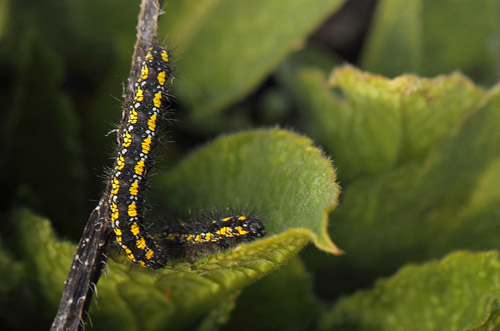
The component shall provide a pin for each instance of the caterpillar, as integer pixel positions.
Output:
(209, 233)
(137, 138)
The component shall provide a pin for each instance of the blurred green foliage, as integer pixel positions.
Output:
(417, 154)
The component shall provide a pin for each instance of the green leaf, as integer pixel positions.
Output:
(419, 162)
(492, 319)
(220, 315)
(274, 172)
(421, 210)
(429, 37)
(4, 10)
(479, 221)
(371, 124)
(283, 301)
(180, 294)
(228, 47)
(395, 41)
(256, 169)
(458, 292)
(16, 298)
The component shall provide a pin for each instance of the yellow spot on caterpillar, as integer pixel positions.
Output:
(152, 123)
(120, 163)
(127, 139)
(242, 218)
(134, 228)
(127, 250)
(134, 188)
(224, 231)
(150, 254)
(241, 232)
(161, 77)
(164, 56)
(140, 243)
(114, 212)
(133, 116)
(144, 73)
(190, 238)
(208, 236)
(142, 264)
(198, 238)
(149, 56)
(118, 232)
(226, 219)
(115, 186)
(132, 210)
(171, 236)
(118, 239)
(182, 237)
(157, 100)
(139, 96)
(139, 168)
(146, 145)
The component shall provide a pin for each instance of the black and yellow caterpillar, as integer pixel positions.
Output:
(204, 235)
(136, 140)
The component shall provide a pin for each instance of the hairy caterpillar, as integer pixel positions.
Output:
(137, 138)
(136, 141)
(204, 235)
